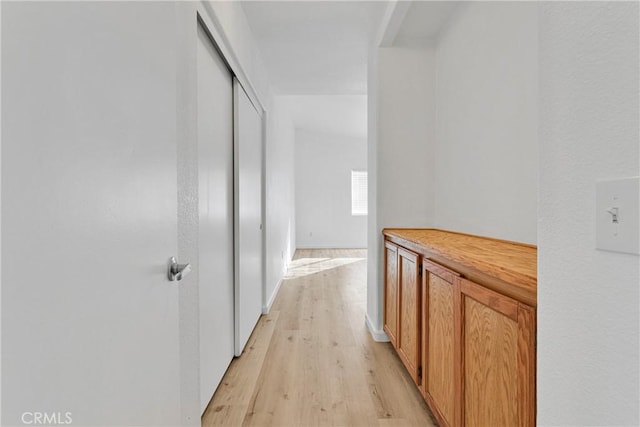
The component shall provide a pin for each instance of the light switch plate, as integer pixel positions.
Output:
(617, 215)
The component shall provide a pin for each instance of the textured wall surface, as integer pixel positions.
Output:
(587, 299)
(486, 142)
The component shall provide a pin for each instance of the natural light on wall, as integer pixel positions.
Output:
(358, 192)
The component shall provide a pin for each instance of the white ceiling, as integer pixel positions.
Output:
(316, 53)
(315, 47)
(423, 22)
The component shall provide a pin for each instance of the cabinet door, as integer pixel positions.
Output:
(391, 292)
(498, 359)
(410, 322)
(440, 353)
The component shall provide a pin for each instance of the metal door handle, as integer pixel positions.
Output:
(177, 271)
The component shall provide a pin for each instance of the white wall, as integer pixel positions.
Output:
(373, 317)
(333, 114)
(486, 143)
(402, 90)
(406, 106)
(280, 194)
(323, 165)
(588, 332)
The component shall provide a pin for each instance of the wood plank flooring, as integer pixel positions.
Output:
(311, 360)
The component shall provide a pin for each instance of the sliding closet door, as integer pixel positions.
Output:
(215, 235)
(248, 216)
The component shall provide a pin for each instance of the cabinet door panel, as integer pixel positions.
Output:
(410, 322)
(391, 292)
(439, 360)
(490, 346)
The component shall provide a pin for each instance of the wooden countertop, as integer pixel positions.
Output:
(506, 267)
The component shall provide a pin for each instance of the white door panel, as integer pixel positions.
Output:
(89, 319)
(215, 176)
(248, 217)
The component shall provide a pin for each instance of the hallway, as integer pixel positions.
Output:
(311, 361)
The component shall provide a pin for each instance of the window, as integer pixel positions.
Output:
(358, 192)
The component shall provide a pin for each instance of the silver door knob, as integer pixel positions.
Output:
(177, 271)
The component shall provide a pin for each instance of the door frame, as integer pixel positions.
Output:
(190, 15)
(238, 89)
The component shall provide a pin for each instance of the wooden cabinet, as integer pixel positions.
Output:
(409, 325)
(498, 354)
(460, 311)
(440, 298)
(391, 292)
(402, 305)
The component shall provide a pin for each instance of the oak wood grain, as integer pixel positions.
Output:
(440, 270)
(440, 360)
(435, 410)
(409, 327)
(458, 353)
(490, 367)
(507, 267)
(486, 374)
(526, 366)
(496, 301)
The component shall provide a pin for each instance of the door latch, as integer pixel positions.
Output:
(177, 271)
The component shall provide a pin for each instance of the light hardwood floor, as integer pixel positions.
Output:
(311, 360)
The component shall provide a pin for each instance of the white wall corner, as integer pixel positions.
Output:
(374, 293)
(391, 22)
(378, 335)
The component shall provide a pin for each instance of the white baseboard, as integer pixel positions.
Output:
(378, 334)
(267, 308)
(330, 247)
